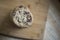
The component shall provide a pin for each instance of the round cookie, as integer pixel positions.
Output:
(22, 16)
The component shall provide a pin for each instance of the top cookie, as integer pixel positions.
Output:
(22, 16)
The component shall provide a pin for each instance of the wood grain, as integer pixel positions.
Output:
(39, 8)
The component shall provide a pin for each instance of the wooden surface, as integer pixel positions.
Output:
(39, 8)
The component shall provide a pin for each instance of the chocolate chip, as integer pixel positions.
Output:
(19, 21)
(29, 18)
(20, 6)
(26, 12)
(19, 11)
(13, 14)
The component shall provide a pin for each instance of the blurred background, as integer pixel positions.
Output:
(52, 30)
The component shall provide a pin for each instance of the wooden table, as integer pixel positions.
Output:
(39, 8)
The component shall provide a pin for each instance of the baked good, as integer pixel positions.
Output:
(22, 16)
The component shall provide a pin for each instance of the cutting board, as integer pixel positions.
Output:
(39, 9)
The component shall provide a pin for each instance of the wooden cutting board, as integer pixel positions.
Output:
(39, 8)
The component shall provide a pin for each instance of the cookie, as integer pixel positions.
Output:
(22, 16)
